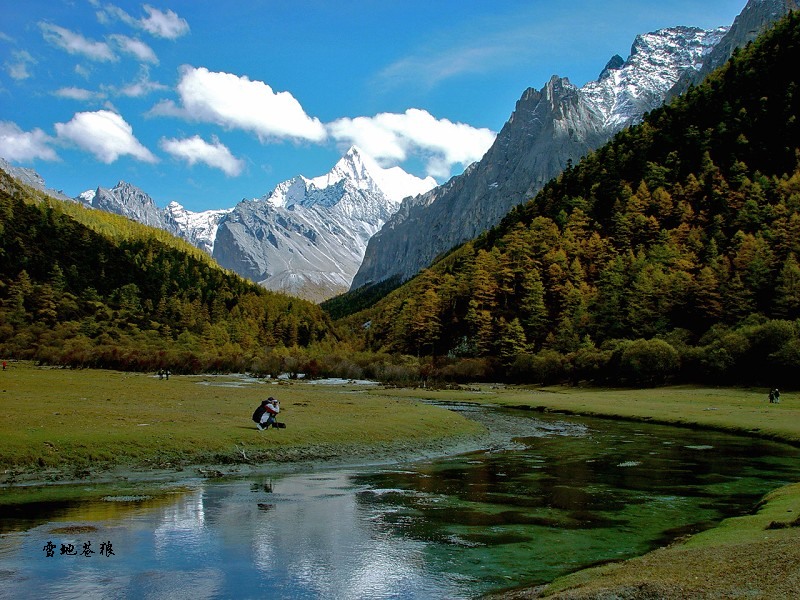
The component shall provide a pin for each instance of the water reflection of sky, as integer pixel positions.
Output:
(451, 528)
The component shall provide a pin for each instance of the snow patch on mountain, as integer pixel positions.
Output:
(197, 228)
(626, 90)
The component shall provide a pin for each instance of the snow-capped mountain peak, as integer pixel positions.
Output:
(87, 197)
(308, 236)
(288, 193)
(354, 166)
(198, 228)
(358, 171)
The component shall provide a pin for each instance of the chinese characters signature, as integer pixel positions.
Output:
(106, 549)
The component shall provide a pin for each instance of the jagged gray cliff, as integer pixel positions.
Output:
(30, 178)
(548, 128)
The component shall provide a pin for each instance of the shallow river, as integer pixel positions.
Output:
(564, 494)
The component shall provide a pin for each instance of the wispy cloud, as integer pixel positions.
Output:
(430, 69)
(17, 145)
(18, 67)
(141, 87)
(135, 48)
(164, 24)
(239, 103)
(105, 134)
(475, 47)
(75, 43)
(196, 150)
(393, 137)
(76, 93)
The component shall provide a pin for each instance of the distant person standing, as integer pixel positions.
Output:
(4, 365)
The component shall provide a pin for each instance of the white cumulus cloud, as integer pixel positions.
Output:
(105, 134)
(22, 146)
(75, 43)
(239, 103)
(196, 149)
(393, 137)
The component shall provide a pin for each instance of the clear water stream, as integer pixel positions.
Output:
(561, 495)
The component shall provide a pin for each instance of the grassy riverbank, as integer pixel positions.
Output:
(734, 410)
(755, 556)
(62, 424)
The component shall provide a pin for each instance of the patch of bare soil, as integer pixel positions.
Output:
(74, 529)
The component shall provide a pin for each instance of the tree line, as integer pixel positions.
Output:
(670, 253)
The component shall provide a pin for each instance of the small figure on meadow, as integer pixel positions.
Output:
(265, 414)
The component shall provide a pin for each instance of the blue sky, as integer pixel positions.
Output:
(206, 103)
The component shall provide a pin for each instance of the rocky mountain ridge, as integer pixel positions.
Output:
(548, 129)
(198, 228)
(755, 18)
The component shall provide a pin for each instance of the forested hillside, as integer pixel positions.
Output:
(670, 253)
(87, 288)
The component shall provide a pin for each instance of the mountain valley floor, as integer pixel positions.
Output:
(64, 425)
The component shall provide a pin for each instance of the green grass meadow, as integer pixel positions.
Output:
(73, 420)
